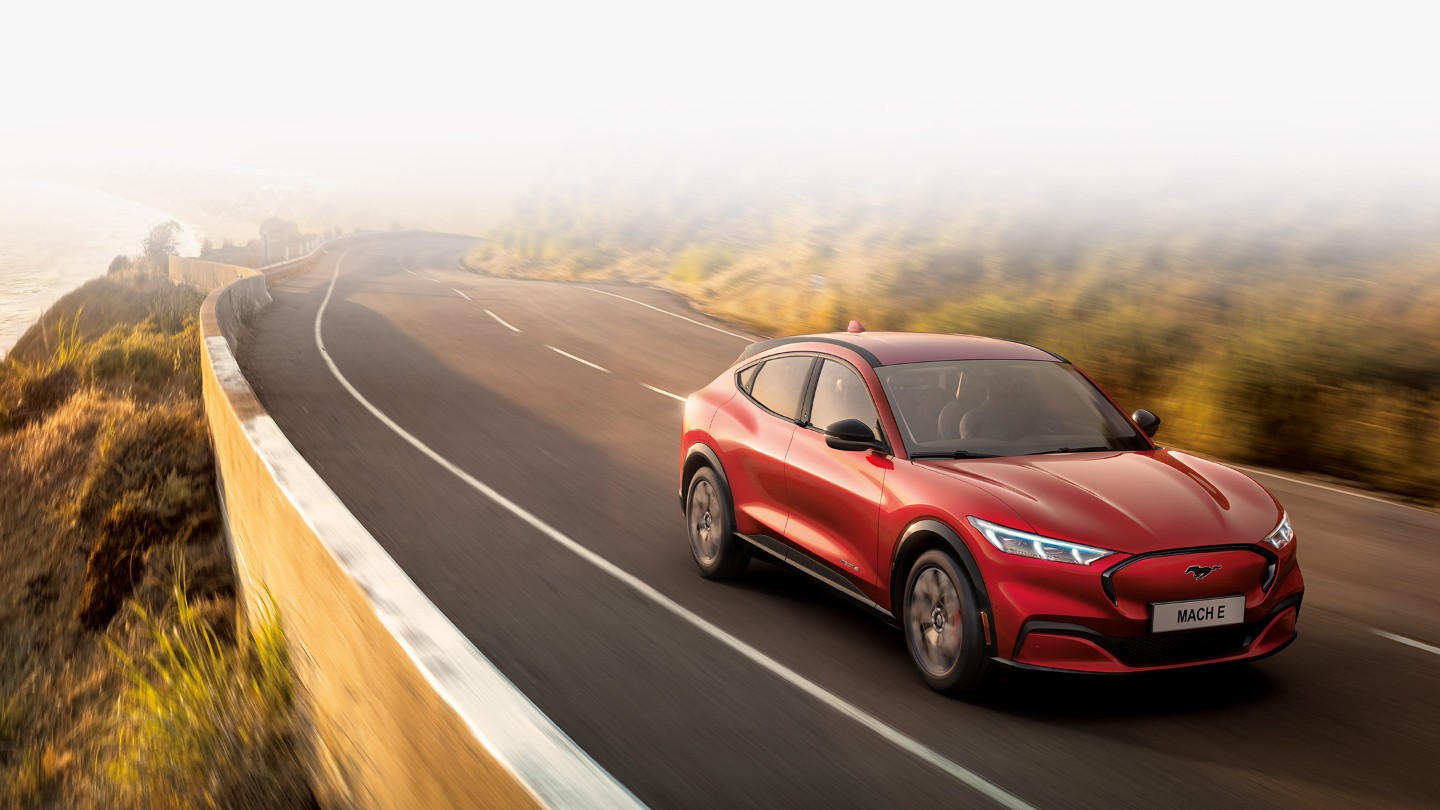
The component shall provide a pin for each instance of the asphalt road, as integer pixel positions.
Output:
(769, 691)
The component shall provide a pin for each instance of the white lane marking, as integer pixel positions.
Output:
(879, 727)
(1419, 645)
(527, 743)
(663, 391)
(463, 295)
(1327, 488)
(577, 359)
(412, 272)
(501, 321)
(436, 280)
(671, 314)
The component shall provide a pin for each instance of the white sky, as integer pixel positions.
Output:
(345, 86)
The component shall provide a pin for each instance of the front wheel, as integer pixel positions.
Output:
(942, 625)
(719, 554)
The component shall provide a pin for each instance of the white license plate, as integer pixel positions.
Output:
(1193, 613)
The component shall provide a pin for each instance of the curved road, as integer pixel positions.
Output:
(768, 691)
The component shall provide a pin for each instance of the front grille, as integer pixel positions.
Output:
(1175, 648)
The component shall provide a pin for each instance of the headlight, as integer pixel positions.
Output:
(1283, 534)
(1025, 544)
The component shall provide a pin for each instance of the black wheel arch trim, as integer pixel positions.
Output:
(713, 460)
(952, 538)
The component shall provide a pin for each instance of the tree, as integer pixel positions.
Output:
(119, 264)
(162, 243)
(277, 229)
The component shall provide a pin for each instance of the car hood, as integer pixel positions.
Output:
(1131, 501)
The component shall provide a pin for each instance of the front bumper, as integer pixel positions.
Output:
(1075, 648)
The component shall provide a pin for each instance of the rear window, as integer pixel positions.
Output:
(746, 378)
(780, 382)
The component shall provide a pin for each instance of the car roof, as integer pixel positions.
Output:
(893, 348)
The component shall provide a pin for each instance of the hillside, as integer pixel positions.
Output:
(1296, 328)
(125, 680)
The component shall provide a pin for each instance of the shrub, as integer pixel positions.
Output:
(201, 724)
(43, 393)
(108, 362)
(698, 263)
(151, 481)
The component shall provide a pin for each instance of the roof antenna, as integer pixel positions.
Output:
(855, 328)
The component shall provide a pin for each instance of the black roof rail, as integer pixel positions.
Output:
(765, 345)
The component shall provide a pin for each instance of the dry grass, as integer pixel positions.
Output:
(202, 723)
(1290, 326)
(115, 583)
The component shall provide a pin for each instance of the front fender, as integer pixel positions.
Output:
(915, 534)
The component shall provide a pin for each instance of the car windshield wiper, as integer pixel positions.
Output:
(954, 454)
(1070, 450)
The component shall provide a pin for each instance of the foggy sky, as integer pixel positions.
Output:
(444, 91)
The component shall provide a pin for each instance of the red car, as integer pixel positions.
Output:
(990, 499)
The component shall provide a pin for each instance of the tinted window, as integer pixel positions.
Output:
(779, 382)
(841, 394)
(746, 378)
(1002, 408)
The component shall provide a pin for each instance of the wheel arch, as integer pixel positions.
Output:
(701, 455)
(921, 536)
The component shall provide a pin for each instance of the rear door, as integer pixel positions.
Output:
(754, 432)
(834, 495)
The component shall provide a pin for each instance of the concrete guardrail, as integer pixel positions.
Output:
(408, 712)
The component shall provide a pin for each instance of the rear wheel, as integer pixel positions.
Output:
(942, 624)
(719, 554)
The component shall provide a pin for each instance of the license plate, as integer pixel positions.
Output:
(1193, 613)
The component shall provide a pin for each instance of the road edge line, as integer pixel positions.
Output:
(880, 728)
(541, 765)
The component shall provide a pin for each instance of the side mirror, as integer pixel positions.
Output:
(1146, 421)
(851, 434)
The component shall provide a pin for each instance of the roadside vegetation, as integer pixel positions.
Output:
(1297, 328)
(125, 680)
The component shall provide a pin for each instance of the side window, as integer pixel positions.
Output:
(779, 383)
(746, 378)
(840, 393)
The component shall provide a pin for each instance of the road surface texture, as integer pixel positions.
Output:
(769, 691)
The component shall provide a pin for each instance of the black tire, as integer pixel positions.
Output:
(710, 525)
(942, 625)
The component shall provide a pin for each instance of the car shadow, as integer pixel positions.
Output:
(1033, 695)
(1043, 696)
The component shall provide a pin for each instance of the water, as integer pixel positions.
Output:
(54, 237)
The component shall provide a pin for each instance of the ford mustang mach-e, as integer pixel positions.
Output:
(991, 500)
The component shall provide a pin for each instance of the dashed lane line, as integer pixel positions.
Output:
(664, 392)
(577, 359)
(818, 693)
(502, 322)
(671, 314)
(1410, 642)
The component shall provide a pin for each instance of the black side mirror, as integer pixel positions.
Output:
(851, 434)
(1146, 421)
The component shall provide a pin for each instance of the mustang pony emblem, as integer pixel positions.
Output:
(1202, 571)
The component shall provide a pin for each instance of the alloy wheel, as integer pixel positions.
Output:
(704, 535)
(934, 621)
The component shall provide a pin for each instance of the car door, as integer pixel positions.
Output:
(754, 432)
(834, 495)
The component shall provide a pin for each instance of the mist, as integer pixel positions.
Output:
(440, 115)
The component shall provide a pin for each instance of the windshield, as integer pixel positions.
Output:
(984, 408)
